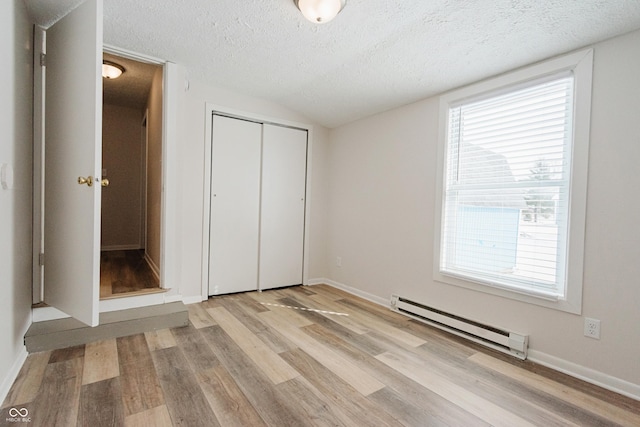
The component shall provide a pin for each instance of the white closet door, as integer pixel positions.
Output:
(235, 205)
(284, 164)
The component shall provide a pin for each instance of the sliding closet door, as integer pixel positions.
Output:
(284, 163)
(235, 205)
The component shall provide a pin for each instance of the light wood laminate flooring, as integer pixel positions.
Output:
(302, 356)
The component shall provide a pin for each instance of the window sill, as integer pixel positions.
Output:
(571, 304)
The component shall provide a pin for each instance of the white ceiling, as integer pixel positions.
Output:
(374, 56)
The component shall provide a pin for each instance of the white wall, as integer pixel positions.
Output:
(15, 203)
(318, 263)
(190, 153)
(381, 173)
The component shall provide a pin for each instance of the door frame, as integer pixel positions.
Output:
(39, 48)
(210, 109)
(168, 245)
(169, 203)
(144, 160)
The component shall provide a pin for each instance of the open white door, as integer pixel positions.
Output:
(73, 149)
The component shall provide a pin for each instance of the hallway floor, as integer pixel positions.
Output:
(126, 272)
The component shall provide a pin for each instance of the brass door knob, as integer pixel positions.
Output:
(104, 182)
(88, 180)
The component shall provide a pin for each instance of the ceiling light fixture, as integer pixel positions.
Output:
(320, 11)
(111, 70)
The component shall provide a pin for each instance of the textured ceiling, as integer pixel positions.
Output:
(376, 54)
(131, 89)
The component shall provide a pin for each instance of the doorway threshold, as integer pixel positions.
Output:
(69, 332)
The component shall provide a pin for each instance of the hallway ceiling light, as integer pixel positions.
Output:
(111, 70)
(320, 11)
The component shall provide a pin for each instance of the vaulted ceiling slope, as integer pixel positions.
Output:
(376, 54)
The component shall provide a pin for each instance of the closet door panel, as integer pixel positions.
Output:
(235, 205)
(284, 162)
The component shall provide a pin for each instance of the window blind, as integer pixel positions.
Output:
(506, 195)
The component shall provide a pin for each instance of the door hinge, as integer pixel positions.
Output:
(41, 259)
(43, 59)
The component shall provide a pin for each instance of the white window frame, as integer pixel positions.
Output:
(581, 65)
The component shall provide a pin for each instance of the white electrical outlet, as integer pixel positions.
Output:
(339, 261)
(592, 328)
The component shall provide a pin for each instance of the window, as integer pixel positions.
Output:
(513, 183)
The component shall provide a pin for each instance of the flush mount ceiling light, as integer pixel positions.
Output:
(320, 11)
(111, 70)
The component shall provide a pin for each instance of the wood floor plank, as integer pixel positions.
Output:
(154, 417)
(26, 386)
(412, 392)
(199, 316)
(159, 339)
(271, 364)
(360, 380)
(378, 311)
(306, 290)
(196, 350)
(185, 400)
(515, 396)
(359, 410)
(455, 345)
(59, 396)
(373, 322)
(608, 411)
(314, 406)
(245, 310)
(487, 411)
(101, 404)
(132, 348)
(290, 313)
(268, 297)
(273, 408)
(125, 271)
(250, 305)
(139, 381)
(333, 323)
(406, 413)
(353, 373)
(100, 361)
(330, 291)
(65, 354)
(230, 405)
(492, 387)
(323, 303)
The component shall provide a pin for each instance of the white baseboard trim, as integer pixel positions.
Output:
(369, 297)
(172, 298)
(589, 375)
(11, 376)
(193, 299)
(586, 374)
(152, 265)
(317, 281)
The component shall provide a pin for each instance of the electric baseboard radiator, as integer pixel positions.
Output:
(498, 339)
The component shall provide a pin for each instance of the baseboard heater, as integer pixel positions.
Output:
(498, 339)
